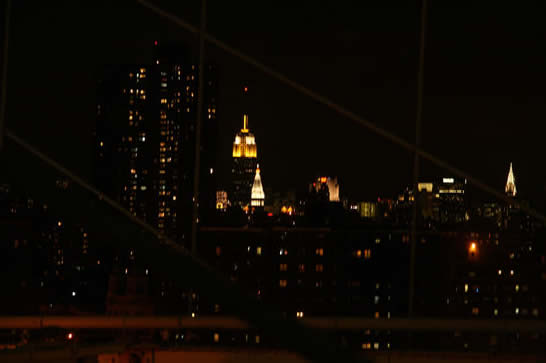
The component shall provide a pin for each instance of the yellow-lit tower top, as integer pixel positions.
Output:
(244, 145)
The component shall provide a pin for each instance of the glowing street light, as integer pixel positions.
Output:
(473, 249)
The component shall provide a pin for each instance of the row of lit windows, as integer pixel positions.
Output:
(367, 253)
(301, 267)
(516, 311)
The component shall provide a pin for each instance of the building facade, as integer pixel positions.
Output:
(245, 162)
(145, 139)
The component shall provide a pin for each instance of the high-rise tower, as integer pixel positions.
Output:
(510, 187)
(145, 138)
(244, 164)
(257, 197)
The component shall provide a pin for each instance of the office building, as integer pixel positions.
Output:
(145, 139)
(245, 161)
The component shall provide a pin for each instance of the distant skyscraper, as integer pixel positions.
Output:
(451, 194)
(244, 164)
(329, 187)
(510, 187)
(257, 195)
(145, 139)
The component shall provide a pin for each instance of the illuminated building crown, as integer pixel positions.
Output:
(510, 187)
(258, 195)
(244, 145)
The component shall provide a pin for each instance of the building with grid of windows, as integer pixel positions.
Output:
(145, 139)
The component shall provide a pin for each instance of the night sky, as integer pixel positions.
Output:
(484, 100)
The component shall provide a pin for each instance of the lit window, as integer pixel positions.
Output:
(283, 267)
(376, 315)
(319, 252)
(367, 253)
(475, 311)
(259, 251)
(301, 267)
(319, 268)
(218, 250)
(359, 253)
(257, 339)
(517, 311)
(516, 288)
(465, 287)
(299, 314)
(511, 272)
(499, 272)
(496, 312)
(282, 283)
(216, 337)
(366, 346)
(376, 346)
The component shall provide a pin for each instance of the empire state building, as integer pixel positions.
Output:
(244, 165)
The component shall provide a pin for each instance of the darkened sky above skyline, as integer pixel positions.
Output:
(484, 99)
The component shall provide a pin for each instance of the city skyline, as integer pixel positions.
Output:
(368, 94)
(269, 199)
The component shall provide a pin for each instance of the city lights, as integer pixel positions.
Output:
(183, 184)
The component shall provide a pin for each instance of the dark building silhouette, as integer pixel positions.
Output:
(145, 139)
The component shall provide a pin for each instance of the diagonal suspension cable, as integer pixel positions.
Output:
(341, 110)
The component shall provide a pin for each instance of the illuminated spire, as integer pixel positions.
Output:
(510, 188)
(245, 124)
(258, 195)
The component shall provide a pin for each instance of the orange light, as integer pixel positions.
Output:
(323, 179)
(473, 247)
(283, 209)
(246, 89)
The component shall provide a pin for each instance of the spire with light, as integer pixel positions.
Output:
(244, 145)
(258, 196)
(510, 187)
